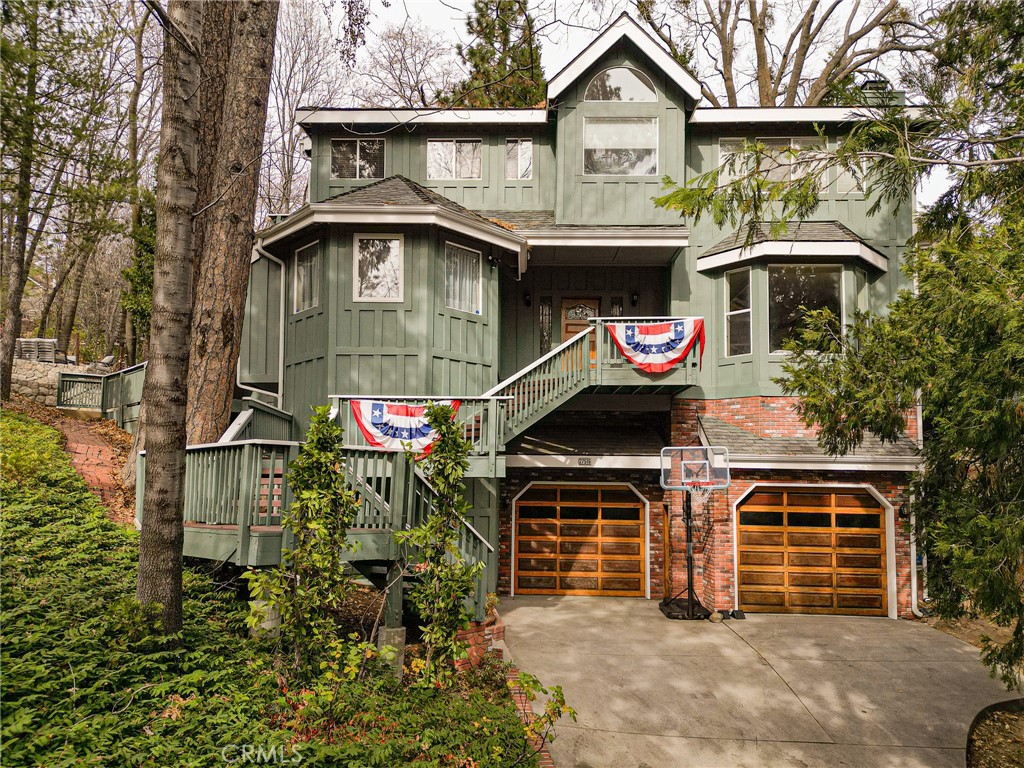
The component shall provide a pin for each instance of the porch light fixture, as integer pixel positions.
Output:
(527, 299)
(635, 298)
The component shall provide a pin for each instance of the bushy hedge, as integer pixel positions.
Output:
(87, 682)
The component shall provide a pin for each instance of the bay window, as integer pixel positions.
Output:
(795, 290)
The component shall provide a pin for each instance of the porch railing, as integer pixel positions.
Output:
(80, 390)
(117, 396)
(259, 421)
(536, 390)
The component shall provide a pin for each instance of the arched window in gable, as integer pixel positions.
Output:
(621, 84)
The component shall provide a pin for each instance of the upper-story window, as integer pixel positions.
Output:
(620, 146)
(737, 312)
(357, 158)
(454, 159)
(795, 290)
(519, 159)
(463, 278)
(778, 163)
(621, 84)
(307, 278)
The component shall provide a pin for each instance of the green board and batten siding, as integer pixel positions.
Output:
(260, 349)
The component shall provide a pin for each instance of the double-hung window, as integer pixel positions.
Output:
(454, 159)
(519, 159)
(795, 290)
(463, 279)
(737, 313)
(778, 163)
(620, 146)
(357, 158)
(307, 278)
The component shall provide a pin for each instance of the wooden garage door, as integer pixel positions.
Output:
(574, 540)
(815, 550)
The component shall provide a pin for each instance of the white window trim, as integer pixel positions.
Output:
(824, 185)
(657, 146)
(454, 141)
(479, 283)
(295, 277)
(356, 298)
(642, 76)
(552, 484)
(357, 177)
(749, 311)
(890, 532)
(519, 140)
(781, 353)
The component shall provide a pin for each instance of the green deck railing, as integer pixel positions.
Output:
(259, 421)
(117, 396)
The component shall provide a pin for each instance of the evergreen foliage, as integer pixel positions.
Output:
(138, 300)
(956, 344)
(503, 60)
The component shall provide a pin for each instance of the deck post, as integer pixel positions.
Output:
(247, 492)
(393, 596)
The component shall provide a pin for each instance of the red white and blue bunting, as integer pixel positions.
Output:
(396, 426)
(655, 347)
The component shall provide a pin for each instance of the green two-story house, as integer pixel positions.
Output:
(483, 256)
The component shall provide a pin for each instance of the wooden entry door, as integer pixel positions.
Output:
(811, 550)
(580, 540)
(576, 314)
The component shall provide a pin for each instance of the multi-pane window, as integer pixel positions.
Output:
(737, 312)
(357, 158)
(620, 146)
(795, 290)
(519, 159)
(307, 278)
(462, 278)
(621, 84)
(851, 180)
(778, 162)
(377, 268)
(454, 159)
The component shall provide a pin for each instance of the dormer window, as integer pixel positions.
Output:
(621, 84)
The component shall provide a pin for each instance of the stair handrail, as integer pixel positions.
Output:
(493, 392)
(420, 474)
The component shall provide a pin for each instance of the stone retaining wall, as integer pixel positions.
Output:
(38, 381)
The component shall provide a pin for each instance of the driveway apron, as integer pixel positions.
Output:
(771, 690)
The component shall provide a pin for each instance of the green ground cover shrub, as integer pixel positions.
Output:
(87, 680)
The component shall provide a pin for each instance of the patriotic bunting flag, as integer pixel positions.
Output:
(395, 426)
(657, 347)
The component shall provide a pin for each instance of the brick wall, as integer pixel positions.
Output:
(480, 637)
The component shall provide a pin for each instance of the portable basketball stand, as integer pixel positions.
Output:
(688, 469)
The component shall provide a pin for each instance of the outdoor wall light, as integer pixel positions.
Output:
(527, 299)
(635, 298)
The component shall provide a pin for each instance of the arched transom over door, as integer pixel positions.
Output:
(812, 550)
(580, 540)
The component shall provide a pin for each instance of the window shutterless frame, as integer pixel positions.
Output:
(657, 145)
(591, 93)
(306, 278)
(398, 297)
(768, 295)
(455, 143)
(730, 313)
(359, 150)
(519, 143)
(478, 297)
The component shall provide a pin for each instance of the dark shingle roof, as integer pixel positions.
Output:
(545, 220)
(398, 190)
(740, 442)
(804, 231)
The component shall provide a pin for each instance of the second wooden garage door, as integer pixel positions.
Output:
(573, 540)
(813, 550)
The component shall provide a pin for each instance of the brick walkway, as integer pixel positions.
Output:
(95, 460)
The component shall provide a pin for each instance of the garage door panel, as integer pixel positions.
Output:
(818, 552)
(589, 541)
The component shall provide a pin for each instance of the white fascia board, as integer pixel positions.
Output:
(325, 213)
(844, 464)
(420, 116)
(575, 461)
(595, 238)
(740, 115)
(624, 27)
(786, 248)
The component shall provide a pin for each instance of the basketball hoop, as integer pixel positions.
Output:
(699, 470)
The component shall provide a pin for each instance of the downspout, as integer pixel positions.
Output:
(913, 569)
(279, 395)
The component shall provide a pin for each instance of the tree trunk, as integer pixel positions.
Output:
(224, 228)
(165, 391)
(66, 326)
(15, 266)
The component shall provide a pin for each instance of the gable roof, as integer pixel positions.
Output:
(624, 27)
(804, 238)
(398, 190)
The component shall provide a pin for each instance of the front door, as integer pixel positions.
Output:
(576, 314)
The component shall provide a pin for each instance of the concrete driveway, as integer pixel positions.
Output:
(767, 691)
